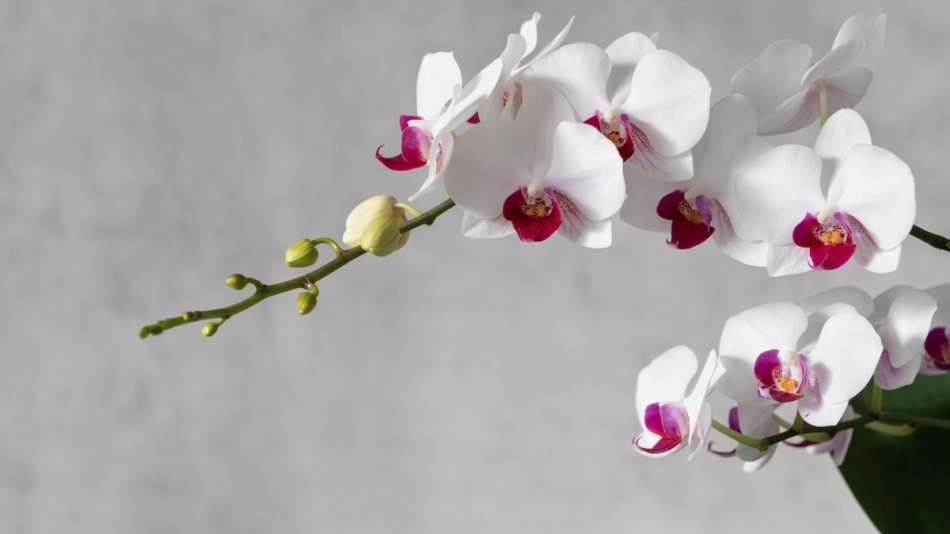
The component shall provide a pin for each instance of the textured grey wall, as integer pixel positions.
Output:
(149, 148)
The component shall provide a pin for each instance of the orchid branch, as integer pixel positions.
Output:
(932, 239)
(262, 291)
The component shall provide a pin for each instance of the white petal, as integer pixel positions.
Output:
(874, 259)
(868, 28)
(754, 253)
(889, 377)
(819, 413)
(845, 357)
(785, 260)
(625, 53)
(775, 191)
(586, 167)
(438, 77)
(847, 87)
(696, 400)
(669, 101)
(836, 60)
(774, 75)
(665, 378)
(672, 168)
(579, 71)
(643, 194)
(907, 323)
(474, 94)
(478, 228)
(770, 326)
(795, 113)
(529, 31)
(548, 48)
(877, 188)
(841, 132)
(856, 298)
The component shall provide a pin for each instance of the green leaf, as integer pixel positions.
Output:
(903, 482)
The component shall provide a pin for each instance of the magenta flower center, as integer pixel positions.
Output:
(937, 347)
(782, 376)
(534, 217)
(830, 241)
(691, 221)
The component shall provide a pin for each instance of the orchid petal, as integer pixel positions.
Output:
(775, 191)
(665, 378)
(837, 59)
(625, 53)
(907, 323)
(586, 168)
(438, 77)
(800, 110)
(785, 260)
(580, 72)
(669, 101)
(843, 359)
(841, 132)
(774, 75)
(478, 228)
(867, 28)
(877, 188)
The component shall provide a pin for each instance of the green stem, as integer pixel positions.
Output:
(822, 103)
(264, 291)
(741, 438)
(877, 398)
(932, 239)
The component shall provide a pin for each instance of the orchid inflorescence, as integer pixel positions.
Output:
(564, 138)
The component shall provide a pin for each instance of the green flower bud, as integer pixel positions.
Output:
(236, 281)
(209, 329)
(305, 303)
(301, 253)
(364, 213)
(381, 236)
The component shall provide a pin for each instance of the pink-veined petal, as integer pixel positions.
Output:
(847, 87)
(585, 232)
(874, 259)
(753, 253)
(669, 101)
(785, 260)
(800, 110)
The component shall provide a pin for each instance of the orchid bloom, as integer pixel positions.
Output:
(902, 317)
(756, 422)
(788, 89)
(867, 212)
(537, 174)
(442, 105)
(936, 349)
(769, 360)
(673, 419)
(650, 103)
(704, 206)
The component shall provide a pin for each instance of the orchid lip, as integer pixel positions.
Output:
(937, 348)
(669, 421)
(783, 376)
(618, 130)
(830, 241)
(690, 221)
(534, 217)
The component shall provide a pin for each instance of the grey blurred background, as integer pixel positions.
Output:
(149, 148)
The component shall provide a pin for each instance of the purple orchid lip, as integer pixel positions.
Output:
(534, 219)
(667, 420)
(690, 223)
(782, 376)
(830, 243)
(937, 347)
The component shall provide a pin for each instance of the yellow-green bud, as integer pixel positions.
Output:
(381, 236)
(366, 211)
(301, 253)
(209, 329)
(305, 303)
(236, 281)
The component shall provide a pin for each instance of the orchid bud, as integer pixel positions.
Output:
(380, 206)
(381, 236)
(236, 281)
(306, 302)
(301, 253)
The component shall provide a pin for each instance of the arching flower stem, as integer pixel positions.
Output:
(263, 291)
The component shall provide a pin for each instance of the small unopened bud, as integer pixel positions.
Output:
(306, 302)
(381, 236)
(301, 253)
(363, 213)
(209, 329)
(236, 281)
